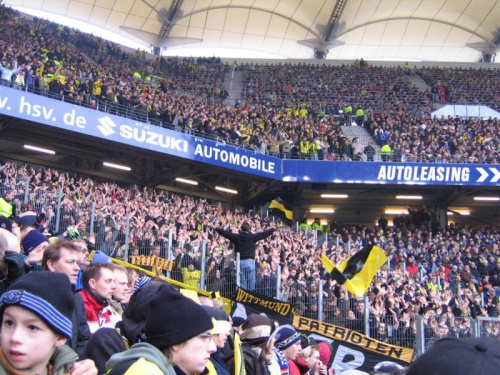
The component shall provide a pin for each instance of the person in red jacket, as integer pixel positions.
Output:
(412, 267)
(98, 288)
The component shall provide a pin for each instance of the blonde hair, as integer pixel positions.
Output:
(308, 351)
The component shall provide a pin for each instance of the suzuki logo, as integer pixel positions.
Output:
(106, 126)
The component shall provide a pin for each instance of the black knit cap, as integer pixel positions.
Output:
(134, 316)
(477, 356)
(174, 319)
(46, 294)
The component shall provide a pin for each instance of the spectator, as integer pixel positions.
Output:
(288, 347)
(220, 333)
(34, 244)
(122, 292)
(98, 288)
(7, 209)
(62, 257)
(168, 349)
(369, 151)
(11, 263)
(257, 344)
(16, 334)
(244, 243)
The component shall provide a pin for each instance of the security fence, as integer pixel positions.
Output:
(209, 266)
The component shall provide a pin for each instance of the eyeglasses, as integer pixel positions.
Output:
(206, 337)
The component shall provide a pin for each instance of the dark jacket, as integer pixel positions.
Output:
(219, 364)
(103, 344)
(244, 242)
(252, 364)
(81, 331)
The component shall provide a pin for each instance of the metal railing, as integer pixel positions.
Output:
(210, 266)
(138, 113)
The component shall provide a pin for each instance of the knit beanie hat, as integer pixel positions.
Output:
(325, 352)
(256, 330)
(46, 294)
(174, 319)
(100, 257)
(5, 223)
(134, 316)
(286, 337)
(28, 218)
(221, 320)
(32, 240)
(478, 356)
(239, 315)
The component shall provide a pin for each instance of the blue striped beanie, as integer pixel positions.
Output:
(286, 337)
(46, 294)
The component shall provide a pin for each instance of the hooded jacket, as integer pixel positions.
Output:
(141, 358)
(244, 242)
(60, 363)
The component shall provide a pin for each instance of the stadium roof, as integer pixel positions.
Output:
(423, 30)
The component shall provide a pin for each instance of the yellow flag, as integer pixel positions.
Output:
(356, 273)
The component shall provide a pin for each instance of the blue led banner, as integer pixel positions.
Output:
(391, 173)
(86, 121)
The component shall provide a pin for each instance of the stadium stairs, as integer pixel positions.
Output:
(233, 83)
(363, 135)
(419, 83)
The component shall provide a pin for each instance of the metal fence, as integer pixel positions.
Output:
(209, 266)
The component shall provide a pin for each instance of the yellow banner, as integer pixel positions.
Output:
(280, 308)
(227, 302)
(352, 337)
(152, 261)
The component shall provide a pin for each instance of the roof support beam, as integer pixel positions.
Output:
(170, 18)
(411, 18)
(337, 11)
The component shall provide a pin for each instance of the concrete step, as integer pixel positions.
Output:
(233, 83)
(419, 83)
(364, 137)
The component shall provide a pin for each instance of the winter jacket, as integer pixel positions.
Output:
(191, 278)
(301, 366)
(60, 363)
(244, 242)
(219, 366)
(141, 358)
(252, 364)
(99, 314)
(6, 208)
(81, 331)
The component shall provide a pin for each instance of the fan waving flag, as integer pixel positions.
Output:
(356, 273)
(281, 210)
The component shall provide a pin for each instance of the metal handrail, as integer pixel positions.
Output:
(143, 116)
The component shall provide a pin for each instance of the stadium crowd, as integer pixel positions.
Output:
(445, 275)
(290, 110)
(463, 86)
